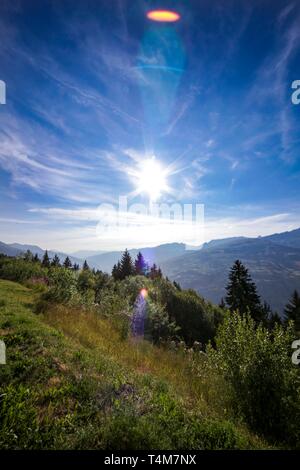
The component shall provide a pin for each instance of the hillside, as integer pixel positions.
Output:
(71, 383)
(274, 268)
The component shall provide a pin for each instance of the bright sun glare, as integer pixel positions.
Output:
(151, 179)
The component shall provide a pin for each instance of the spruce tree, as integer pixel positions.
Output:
(36, 258)
(242, 294)
(67, 263)
(292, 310)
(75, 267)
(55, 261)
(46, 260)
(140, 265)
(273, 320)
(116, 270)
(85, 266)
(127, 267)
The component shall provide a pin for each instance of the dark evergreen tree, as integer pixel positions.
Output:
(116, 271)
(140, 265)
(46, 260)
(67, 263)
(127, 267)
(222, 303)
(36, 258)
(273, 320)
(292, 310)
(242, 294)
(85, 266)
(177, 285)
(55, 261)
(75, 267)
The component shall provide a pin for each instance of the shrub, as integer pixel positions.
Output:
(265, 385)
(158, 326)
(63, 286)
(192, 315)
(17, 269)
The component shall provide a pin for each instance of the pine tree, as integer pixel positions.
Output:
(55, 261)
(292, 310)
(67, 263)
(127, 267)
(140, 265)
(274, 319)
(36, 258)
(222, 303)
(75, 267)
(242, 294)
(116, 271)
(155, 272)
(46, 260)
(85, 266)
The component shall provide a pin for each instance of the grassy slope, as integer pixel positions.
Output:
(71, 382)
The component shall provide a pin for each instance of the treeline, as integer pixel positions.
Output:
(127, 267)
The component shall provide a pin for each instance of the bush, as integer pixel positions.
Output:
(17, 269)
(157, 325)
(63, 286)
(265, 385)
(192, 315)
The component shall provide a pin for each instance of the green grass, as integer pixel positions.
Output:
(71, 382)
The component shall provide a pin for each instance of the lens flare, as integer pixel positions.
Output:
(144, 293)
(163, 16)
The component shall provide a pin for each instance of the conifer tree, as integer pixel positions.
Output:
(274, 319)
(36, 258)
(46, 260)
(292, 310)
(85, 266)
(242, 294)
(55, 261)
(75, 267)
(140, 265)
(116, 271)
(126, 265)
(67, 263)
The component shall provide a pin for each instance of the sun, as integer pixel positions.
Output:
(151, 179)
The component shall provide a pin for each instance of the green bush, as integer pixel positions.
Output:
(265, 385)
(157, 325)
(63, 286)
(191, 314)
(17, 269)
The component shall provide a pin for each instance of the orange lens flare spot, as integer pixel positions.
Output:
(163, 15)
(144, 293)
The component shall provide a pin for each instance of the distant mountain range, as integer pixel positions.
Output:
(157, 254)
(16, 249)
(273, 262)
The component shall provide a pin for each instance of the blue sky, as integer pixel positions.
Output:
(94, 89)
